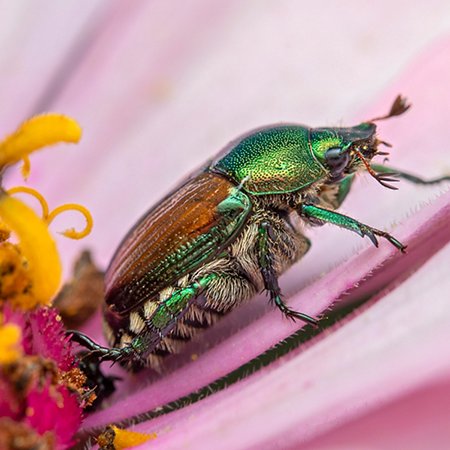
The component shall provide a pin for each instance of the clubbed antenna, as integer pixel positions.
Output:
(399, 106)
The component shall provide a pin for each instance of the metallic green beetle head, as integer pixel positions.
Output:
(280, 159)
(343, 150)
(286, 158)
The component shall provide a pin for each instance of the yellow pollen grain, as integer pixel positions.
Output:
(4, 232)
(15, 282)
(124, 438)
(10, 337)
(37, 132)
(71, 232)
(37, 247)
(26, 167)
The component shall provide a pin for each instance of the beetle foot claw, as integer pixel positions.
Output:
(372, 234)
(295, 315)
(366, 231)
(291, 313)
(384, 178)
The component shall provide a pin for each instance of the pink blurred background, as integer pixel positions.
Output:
(159, 86)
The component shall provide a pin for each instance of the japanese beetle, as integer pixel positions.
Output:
(227, 233)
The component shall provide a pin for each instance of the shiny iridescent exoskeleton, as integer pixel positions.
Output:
(229, 232)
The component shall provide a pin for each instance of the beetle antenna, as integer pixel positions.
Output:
(383, 178)
(399, 106)
(386, 144)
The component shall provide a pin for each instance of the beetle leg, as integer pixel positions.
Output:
(162, 321)
(344, 188)
(86, 342)
(270, 278)
(381, 168)
(326, 216)
(158, 325)
(96, 350)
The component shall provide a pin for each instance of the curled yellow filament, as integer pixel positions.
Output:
(37, 195)
(71, 232)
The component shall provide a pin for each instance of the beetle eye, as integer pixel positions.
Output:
(336, 160)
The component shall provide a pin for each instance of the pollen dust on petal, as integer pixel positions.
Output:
(120, 439)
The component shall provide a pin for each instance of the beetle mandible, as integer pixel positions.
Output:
(229, 232)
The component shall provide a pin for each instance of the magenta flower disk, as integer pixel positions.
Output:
(45, 336)
(61, 414)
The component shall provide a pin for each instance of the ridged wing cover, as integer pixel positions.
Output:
(184, 231)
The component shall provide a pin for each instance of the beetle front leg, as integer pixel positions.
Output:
(326, 216)
(381, 168)
(270, 278)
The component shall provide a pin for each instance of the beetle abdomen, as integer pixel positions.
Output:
(178, 235)
(237, 279)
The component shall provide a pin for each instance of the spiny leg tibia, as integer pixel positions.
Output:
(327, 216)
(266, 262)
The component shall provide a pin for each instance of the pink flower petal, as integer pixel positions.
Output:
(415, 421)
(159, 89)
(393, 348)
(430, 233)
(126, 73)
(39, 44)
(245, 88)
(425, 232)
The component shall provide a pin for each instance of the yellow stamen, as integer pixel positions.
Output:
(4, 232)
(71, 232)
(15, 281)
(38, 132)
(124, 438)
(37, 195)
(37, 247)
(10, 337)
(49, 217)
(26, 168)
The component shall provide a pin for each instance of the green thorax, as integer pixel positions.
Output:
(272, 160)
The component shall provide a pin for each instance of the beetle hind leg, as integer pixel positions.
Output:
(149, 344)
(97, 351)
(86, 342)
